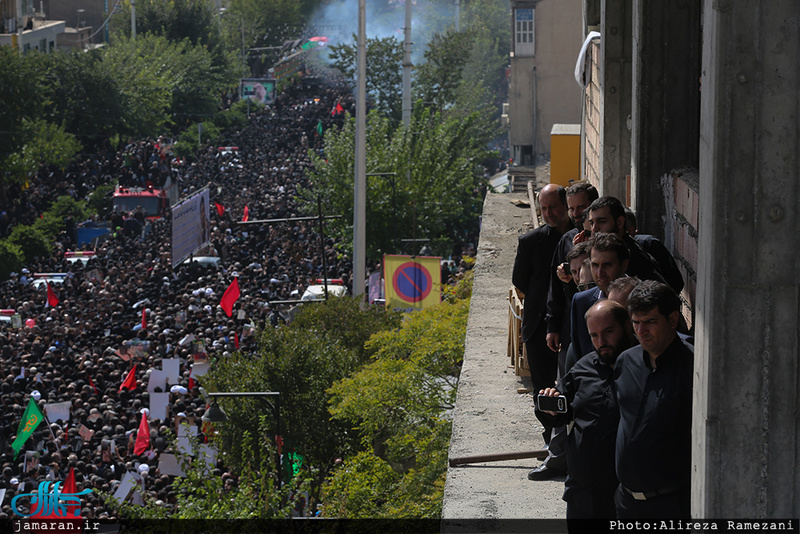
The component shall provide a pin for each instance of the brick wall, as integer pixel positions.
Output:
(593, 119)
(681, 204)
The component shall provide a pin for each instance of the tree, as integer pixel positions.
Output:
(84, 96)
(11, 258)
(160, 79)
(18, 74)
(323, 344)
(397, 403)
(437, 79)
(435, 191)
(53, 221)
(31, 242)
(201, 495)
(384, 71)
(261, 24)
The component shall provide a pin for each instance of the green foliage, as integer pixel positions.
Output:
(301, 360)
(159, 79)
(201, 495)
(18, 74)
(174, 19)
(434, 193)
(264, 24)
(53, 221)
(43, 143)
(235, 117)
(360, 488)
(384, 71)
(396, 403)
(197, 135)
(423, 358)
(84, 96)
(11, 258)
(437, 79)
(99, 201)
(31, 242)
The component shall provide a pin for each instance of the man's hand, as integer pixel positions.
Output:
(554, 341)
(562, 274)
(581, 236)
(549, 392)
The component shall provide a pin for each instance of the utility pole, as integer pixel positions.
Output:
(360, 182)
(133, 20)
(407, 68)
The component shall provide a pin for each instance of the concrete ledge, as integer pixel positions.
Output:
(490, 416)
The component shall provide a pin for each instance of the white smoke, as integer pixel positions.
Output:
(338, 21)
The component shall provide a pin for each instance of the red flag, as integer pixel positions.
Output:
(338, 109)
(144, 318)
(142, 437)
(71, 521)
(91, 383)
(52, 299)
(71, 487)
(191, 383)
(130, 380)
(220, 209)
(236, 339)
(230, 297)
(246, 214)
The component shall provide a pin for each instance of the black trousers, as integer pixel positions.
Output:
(675, 505)
(543, 364)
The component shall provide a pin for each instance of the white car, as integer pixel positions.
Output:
(336, 288)
(211, 262)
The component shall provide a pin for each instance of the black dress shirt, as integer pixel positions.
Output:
(653, 450)
(592, 406)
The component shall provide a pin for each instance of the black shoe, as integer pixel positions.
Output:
(545, 473)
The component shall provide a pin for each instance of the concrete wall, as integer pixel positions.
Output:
(592, 121)
(682, 207)
(542, 90)
(67, 10)
(746, 426)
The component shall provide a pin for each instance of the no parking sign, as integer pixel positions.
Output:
(412, 282)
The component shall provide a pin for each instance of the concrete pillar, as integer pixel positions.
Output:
(615, 139)
(746, 429)
(666, 110)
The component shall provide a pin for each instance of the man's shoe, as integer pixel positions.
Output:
(545, 473)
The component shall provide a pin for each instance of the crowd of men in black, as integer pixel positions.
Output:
(70, 352)
(602, 327)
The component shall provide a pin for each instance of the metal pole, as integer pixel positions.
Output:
(322, 246)
(407, 68)
(133, 20)
(360, 185)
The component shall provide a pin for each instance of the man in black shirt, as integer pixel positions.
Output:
(592, 407)
(532, 276)
(654, 394)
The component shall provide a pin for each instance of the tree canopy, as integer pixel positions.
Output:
(435, 191)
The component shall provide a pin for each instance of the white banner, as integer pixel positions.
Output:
(190, 226)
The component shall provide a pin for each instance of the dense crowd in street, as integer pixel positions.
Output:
(75, 351)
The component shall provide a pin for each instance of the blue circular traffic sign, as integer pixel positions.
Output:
(412, 282)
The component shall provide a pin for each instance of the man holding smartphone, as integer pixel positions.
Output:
(592, 409)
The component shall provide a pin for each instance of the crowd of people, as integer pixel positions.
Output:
(126, 306)
(603, 329)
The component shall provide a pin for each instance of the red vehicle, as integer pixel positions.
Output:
(154, 202)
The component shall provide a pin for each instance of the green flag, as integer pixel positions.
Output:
(30, 420)
(319, 127)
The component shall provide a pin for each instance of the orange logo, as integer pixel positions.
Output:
(32, 420)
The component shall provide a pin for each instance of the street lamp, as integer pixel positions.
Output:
(215, 414)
